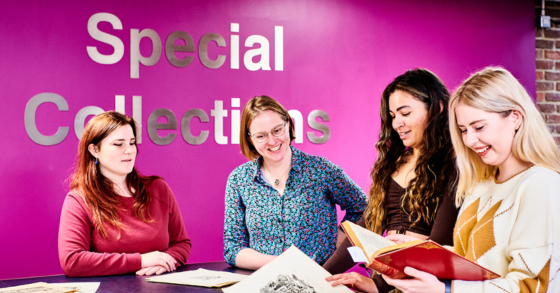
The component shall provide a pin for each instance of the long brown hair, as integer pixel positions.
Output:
(97, 190)
(435, 167)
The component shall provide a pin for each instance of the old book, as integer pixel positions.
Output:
(291, 272)
(390, 259)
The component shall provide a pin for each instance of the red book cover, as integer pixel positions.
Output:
(430, 257)
(390, 259)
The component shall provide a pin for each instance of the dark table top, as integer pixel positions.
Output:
(133, 283)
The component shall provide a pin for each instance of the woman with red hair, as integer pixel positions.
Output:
(114, 220)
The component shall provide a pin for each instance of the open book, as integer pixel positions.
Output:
(292, 271)
(388, 258)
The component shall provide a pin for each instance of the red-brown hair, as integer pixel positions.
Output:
(97, 190)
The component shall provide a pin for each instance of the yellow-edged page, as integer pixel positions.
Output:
(367, 240)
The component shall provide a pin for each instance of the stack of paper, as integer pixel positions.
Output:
(200, 277)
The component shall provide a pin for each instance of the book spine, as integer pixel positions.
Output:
(387, 270)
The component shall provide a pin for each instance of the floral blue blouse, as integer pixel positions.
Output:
(257, 217)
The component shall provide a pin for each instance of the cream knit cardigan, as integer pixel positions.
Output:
(513, 229)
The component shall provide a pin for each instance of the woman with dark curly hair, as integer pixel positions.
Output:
(414, 177)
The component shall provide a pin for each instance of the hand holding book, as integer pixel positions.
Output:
(426, 256)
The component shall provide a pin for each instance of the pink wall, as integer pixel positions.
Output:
(338, 56)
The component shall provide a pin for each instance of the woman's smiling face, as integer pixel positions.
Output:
(488, 134)
(274, 148)
(410, 117)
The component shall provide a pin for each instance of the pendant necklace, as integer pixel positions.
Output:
(277, 181)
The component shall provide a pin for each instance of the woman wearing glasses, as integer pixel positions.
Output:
(282, 196)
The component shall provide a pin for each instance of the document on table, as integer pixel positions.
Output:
(200, 277)
(292, 271)
(81, 287)
(39, 287)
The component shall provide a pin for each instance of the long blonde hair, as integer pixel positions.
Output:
(494, 89)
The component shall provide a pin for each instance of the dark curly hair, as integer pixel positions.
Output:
(435, 168)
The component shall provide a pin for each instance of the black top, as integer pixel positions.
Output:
(397, 218)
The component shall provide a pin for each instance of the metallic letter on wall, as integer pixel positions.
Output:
(219, 113)
(318, 126)
(298, 124)
(80, 119)
(106, 38)
(171, 48)
(136, 56)
(263, 51)
(153, 126)
(186, 126)
(31, 126)
(203, 50)
(234, 44)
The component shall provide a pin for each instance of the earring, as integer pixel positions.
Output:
(96, 160)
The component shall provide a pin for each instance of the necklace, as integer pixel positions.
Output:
(277, 181)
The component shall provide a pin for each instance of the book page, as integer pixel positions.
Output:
(293, 271)
(200, 277)
(371, 242)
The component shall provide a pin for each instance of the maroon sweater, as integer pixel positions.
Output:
(83, 251)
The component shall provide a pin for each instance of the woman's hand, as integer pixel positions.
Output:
(400, 238)
(148, 271)
(422, 283)
(156, 258)
(353, 280)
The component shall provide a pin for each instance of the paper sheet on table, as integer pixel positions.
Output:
(39, 287)
(200, 277)
(80, 287)
(292, 271)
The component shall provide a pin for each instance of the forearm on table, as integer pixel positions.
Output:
(249, 258)
(87, 263)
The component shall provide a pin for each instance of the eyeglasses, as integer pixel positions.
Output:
(262, 136)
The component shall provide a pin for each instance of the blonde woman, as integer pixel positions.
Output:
(509, 187)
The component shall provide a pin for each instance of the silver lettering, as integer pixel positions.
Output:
(203, 50)
(153, 126)
(135, 55)
(30, 123)
(186, 126)
(80, 120)
(318, 126)
(171, 48)
(106, 38)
